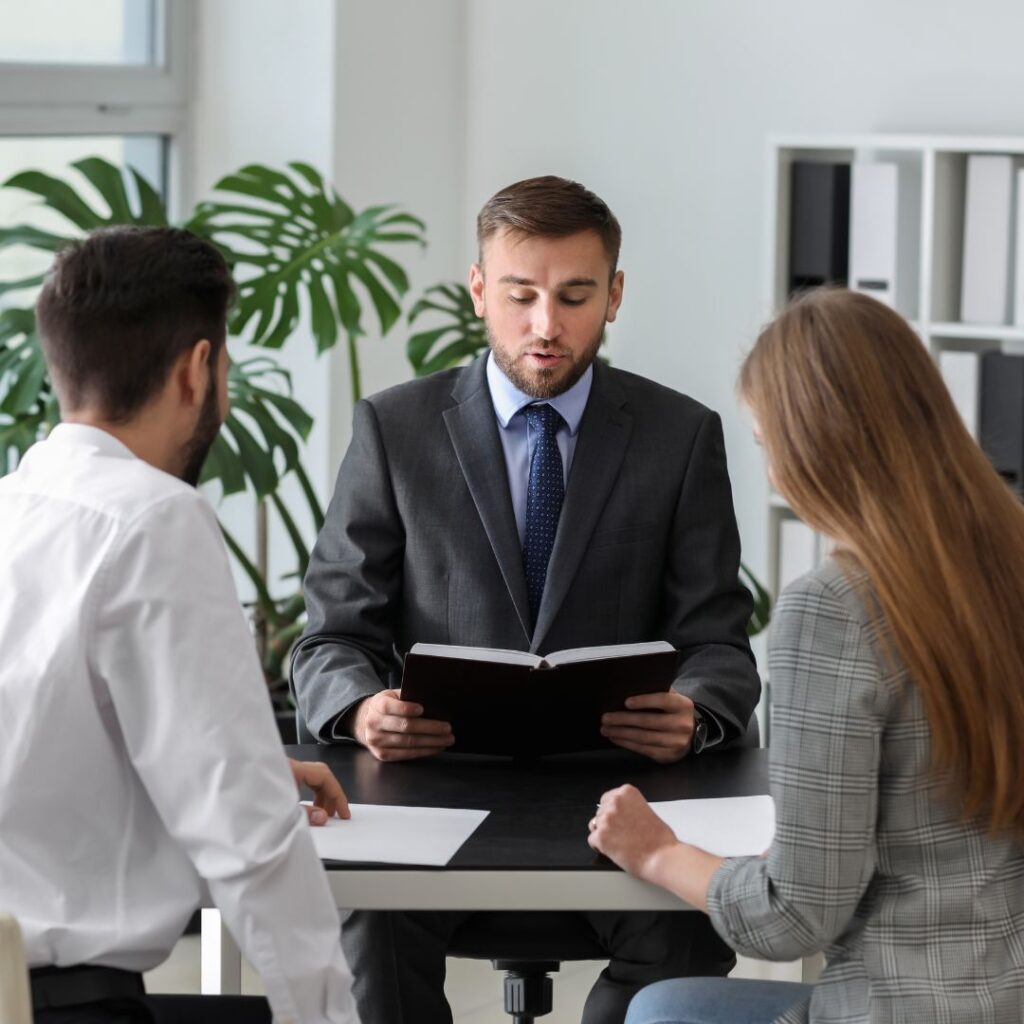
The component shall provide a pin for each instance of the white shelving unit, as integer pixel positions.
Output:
(931, 192)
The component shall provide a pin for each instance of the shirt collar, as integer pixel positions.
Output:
(81, 434)
(508, 399)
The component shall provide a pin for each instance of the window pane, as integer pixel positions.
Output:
(78, 31)
(54, 155)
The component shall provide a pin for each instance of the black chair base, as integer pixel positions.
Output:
(527, 952)
(529, 992)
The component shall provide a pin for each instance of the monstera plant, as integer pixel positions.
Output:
(293, 244)
(302, 257)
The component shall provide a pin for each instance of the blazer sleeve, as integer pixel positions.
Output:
(827, 724)
(352, 587)
(706, 607)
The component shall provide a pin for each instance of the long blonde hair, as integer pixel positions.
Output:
(867, 446)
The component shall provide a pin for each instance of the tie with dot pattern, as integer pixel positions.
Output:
(544, 496)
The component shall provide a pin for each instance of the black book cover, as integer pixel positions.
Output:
(527, 711)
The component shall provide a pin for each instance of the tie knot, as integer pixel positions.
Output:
(544, 419)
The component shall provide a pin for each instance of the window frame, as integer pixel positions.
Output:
(163, 83)
(60, 99)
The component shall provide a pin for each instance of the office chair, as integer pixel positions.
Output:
(15, 1003)
(528, 959)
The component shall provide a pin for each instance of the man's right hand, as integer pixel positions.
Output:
(394, 730)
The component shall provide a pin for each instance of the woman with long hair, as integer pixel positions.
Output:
(897, 672)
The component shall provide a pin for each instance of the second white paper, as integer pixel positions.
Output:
(735, 826)
(428, 836)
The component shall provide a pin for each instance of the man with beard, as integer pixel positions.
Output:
(140, 765)
(535, 500)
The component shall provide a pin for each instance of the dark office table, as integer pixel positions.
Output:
(531, 851)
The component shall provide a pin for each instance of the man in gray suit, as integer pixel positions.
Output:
(536, 500)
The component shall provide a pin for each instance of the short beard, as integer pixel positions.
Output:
(547, 386)
(195, 450)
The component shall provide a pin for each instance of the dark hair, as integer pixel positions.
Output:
(549, 207)
(119, 308)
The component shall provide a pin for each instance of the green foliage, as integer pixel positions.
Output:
(300, 254)
(296, 248)
(461, 336)
(762, 612)
(295, 244)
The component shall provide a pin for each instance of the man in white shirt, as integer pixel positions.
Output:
(139, 762)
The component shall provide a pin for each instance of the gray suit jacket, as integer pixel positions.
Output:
(920, 915)
(420, 544)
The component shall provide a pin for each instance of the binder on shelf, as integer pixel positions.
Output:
(984, 292)
(873, 228)
(819, 224)
(960, 371)
(1002, 415)
(1018, 277)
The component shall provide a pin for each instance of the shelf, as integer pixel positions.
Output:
(976, 332)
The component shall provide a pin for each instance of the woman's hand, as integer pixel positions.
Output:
(627, 831)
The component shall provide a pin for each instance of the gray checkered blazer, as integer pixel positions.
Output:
(920, 916)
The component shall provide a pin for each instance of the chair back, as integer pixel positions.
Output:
(15, 1003)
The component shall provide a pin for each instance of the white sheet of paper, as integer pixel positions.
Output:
(429, 836)
(733, 826)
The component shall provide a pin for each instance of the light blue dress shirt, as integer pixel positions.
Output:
(516, 438)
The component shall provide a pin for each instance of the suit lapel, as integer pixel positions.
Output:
(473, 429)
(600, 448)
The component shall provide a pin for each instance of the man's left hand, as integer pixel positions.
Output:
(657, 725)
(328, 796)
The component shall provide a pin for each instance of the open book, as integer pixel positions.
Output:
(514, 702)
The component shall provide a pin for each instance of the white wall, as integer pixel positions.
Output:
(664, 106)
(400, 138)
(263, 92)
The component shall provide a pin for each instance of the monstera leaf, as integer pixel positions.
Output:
(261, 437)
(128, 198)
(461, 334)
(28, 407)
(295, 241)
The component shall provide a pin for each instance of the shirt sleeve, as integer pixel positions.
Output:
(172, 646)
(826, 738)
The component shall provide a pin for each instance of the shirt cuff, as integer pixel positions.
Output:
(716, 731)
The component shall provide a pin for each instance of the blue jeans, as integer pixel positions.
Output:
(714, 1001)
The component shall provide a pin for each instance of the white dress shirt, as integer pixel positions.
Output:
(139, 760)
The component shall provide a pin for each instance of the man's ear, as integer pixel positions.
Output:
(476, 288)
(615, 296)
(192, 373)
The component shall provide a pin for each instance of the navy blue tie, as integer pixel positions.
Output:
(543, 500)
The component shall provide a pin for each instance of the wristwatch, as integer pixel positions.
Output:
(700, 731)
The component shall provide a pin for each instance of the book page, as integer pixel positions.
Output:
(491, 654)
(576, 654)
(382, 834)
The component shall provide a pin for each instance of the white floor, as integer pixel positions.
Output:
(474, 989)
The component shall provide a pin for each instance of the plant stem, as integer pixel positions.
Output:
(353, 367)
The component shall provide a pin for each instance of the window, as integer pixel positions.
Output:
(93, 53)
(95, 32)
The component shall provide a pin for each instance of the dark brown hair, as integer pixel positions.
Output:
(118, 309)
(868, 447)
(549, 207)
